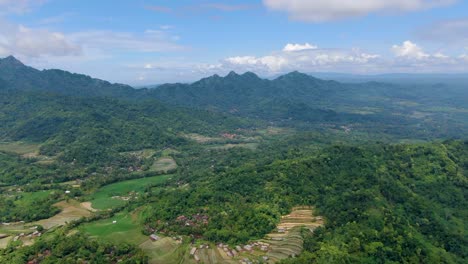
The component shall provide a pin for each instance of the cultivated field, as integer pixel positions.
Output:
(20, 148)
(165, 251)
(117, 194)
(164, 164)
(121, 228)
(71, 210)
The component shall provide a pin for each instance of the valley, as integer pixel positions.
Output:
(303, 171)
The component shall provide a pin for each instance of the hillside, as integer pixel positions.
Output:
(398, 111)
(299, 100)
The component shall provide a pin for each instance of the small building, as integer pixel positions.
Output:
(248, 247)
(196, 258)
(192, 252)
(154, 237)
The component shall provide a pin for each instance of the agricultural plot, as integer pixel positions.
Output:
(165, 251)
(286, 241)
(26, 150)
(71, 210)
(20, 148)
(164, 164)
(4, 241)
(119, 193)
(121, 228)
(251, 146)
(201, 139)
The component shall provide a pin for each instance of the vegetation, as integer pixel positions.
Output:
(217, 173)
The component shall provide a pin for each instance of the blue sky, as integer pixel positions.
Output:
(144, 42)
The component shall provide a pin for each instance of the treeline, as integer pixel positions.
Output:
(77, 248)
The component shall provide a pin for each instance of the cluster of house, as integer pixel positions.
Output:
(194, 220)
(229, 135)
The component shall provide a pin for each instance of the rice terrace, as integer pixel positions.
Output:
(233, 131)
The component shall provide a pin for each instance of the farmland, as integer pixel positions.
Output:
(117, 194)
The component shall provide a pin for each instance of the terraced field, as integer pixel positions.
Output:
(286, 241)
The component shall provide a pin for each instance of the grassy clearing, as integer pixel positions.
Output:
(142, 154)
(251, 146)
(125, 229)
(20, 148)
(202, 139)
(114, 195)
(71, 210)
(164, 164)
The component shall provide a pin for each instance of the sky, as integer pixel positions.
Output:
(143, 42)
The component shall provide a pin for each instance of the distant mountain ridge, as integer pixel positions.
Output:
(16, 75)
(294, 99)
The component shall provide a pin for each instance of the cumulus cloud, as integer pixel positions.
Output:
(27, 42)
(409, 50)
(298, 47)
(302, 57)
(326, 10)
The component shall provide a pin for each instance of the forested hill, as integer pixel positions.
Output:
(95, 130)
(402, 111)
(15, 75)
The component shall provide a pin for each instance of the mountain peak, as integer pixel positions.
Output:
(12, 61)
(232, 74)
(250, 74)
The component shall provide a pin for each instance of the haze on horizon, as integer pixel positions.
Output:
(160, 41)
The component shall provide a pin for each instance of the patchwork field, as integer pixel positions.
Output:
(4, 241)
(286, 241)
(117, 194)
(251, 146)
(164, 164)
(20, 148)
(123, 227)
(165, 251)
(71, 210)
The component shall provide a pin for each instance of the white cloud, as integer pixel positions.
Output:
(440, 55)
(326, 10)
(409, 50)
(305, 59)
(27, 42)
(298, 47)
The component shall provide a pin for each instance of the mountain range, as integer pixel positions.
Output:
(294, 99)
